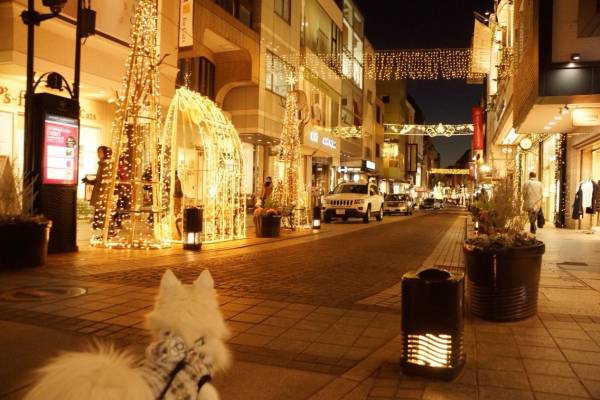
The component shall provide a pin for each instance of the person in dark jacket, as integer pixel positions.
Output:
(98, 199)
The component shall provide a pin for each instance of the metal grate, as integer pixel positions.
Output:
(41, 293)
(341, 202)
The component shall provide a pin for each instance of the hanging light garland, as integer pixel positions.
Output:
(429, 130)
(560, 177)
(347, 132)
(130, 212)
(386, 65)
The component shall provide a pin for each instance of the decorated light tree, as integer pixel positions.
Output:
(289, 192)
(130, 212)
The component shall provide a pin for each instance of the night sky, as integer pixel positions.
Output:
(413, 24)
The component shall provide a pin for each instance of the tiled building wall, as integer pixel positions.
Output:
(526, 73)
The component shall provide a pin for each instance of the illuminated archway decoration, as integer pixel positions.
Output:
(429, 130)
(202, 150)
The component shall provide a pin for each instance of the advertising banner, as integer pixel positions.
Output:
(60, 151)
(477, 114)
(186, 23)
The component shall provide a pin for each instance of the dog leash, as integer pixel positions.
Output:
(180, 365)
(204, 379)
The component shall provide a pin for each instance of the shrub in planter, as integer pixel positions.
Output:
(23, 237)
(503, 262)
(23, 240)
(267, 221)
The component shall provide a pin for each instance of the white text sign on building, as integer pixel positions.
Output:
(186, 23)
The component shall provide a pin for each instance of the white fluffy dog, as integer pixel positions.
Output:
(189, 347)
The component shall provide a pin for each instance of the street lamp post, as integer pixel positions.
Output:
(31, 18)
(51, 194)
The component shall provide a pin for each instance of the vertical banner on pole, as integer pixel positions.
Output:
(477, 114)
(186, 23)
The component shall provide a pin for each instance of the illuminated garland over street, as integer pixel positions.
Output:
(429, 130)
(348, 132)
(386, 65)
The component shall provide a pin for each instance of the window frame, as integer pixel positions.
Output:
(269, 66)
(286, 10)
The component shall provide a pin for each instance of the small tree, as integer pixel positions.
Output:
(501, 219)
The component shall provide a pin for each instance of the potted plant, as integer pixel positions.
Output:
(267, 220)
(503, 262)
(23, 237)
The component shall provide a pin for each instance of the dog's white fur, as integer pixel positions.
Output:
(190, 311)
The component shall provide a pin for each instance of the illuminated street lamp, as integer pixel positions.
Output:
(485, 169)
(316, 224)
(192, 228)
(432, 323)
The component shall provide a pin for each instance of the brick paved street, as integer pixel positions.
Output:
(317, 316)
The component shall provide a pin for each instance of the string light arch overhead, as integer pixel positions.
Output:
(202, 155)
(439, 130)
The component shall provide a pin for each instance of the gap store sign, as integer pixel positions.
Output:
(322, 140)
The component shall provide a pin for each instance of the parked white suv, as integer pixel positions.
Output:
(353, 200)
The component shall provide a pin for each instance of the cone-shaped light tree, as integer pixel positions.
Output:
(130, 213)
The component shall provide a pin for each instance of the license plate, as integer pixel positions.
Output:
(340, 212)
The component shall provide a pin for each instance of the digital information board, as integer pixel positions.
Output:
(60, 150)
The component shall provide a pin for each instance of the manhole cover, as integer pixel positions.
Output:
(574, 263)
(42, 293)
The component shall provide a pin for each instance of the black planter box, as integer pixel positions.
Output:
(268, 226)
(503, 285)
(24, 245)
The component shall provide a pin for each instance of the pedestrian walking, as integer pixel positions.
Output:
(177, 195)
(266, 191)
(532, 199)
(98, 200)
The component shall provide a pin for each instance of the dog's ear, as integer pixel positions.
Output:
(204, 280)
(169, 281)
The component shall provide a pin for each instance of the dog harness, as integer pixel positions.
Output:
(175, 372)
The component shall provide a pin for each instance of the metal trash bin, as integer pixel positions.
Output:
(192, 228)
(432, 323)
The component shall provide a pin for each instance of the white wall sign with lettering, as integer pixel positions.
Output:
(314, 136)
(332, 144)
(186, 23)
(586, 116)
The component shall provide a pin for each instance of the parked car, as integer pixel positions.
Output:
(428, 204)
(353, 200)
(398, 203)
(438, 204)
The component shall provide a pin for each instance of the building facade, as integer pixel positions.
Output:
(405, 158)
(102, 69)
(242, 55)
(544, 114)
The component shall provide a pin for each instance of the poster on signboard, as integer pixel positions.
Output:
(60, 151)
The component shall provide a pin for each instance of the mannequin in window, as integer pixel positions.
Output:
(586, 199)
